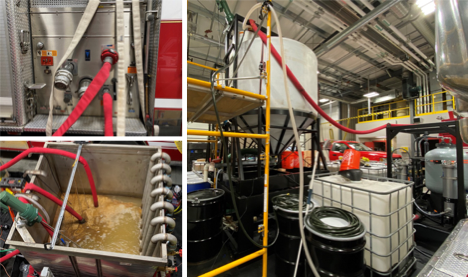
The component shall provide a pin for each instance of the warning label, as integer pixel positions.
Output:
(47, 53)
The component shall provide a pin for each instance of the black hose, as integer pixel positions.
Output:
(288, 201)
(354, 228)
(225, 150)
(426, 213)
(427, 255)
(431, 228)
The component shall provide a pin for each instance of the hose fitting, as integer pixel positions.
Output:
(84, 84)
(110, 56)
(64, 77)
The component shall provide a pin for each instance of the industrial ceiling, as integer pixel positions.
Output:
(347, 71)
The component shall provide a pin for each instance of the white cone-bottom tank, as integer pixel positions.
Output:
(434, 171)
(302, 61)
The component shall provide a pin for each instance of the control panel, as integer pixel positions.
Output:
(47, 61)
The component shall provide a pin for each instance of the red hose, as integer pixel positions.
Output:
(88, 96)
(38, 150)
(51, 197)
(107, 103)
(8, 256)
(304, 93)
(51, 233)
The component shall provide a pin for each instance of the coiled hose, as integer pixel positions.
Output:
(354, 228)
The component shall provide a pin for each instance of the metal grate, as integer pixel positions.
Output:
(153, 58)
(6, 109)
(58, 3)
(451, 259)
(21, 64)
(85, 125)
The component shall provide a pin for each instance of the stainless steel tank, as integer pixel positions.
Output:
(118, 170)
(451, 26)
(434, 171)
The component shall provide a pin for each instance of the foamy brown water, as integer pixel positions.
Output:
(113, 226)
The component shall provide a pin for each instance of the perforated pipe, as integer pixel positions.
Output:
(149, 214)
(164, 238)
(155, 206)
(156, 158)
(157, 221)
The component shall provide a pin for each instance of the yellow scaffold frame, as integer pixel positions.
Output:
(262, 252)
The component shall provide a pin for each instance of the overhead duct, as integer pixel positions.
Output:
(402, 11)
(356, 26)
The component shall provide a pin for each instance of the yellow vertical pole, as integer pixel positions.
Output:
(216, 144)
(267, 149)
(415, 107)
(433, 104)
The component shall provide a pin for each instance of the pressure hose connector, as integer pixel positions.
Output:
(84, 84)
(27, 211)
(110, 56)
(64, 76)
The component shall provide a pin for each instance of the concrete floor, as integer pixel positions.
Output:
(254, 268)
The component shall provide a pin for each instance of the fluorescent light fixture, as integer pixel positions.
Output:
(426, 6)
(422, 3)
(323, 100)
(371, 94)
(428, 9)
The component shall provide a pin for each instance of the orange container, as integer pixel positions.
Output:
(307, 156)
(351, 160)
(289, 160)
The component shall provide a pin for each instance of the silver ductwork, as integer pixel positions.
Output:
(356, 26)
(452, 53)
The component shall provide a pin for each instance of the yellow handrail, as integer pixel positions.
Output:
(226, 134)
(235, 263)
(201, 140)
(200, 65)
(201, 83)
(363, 115)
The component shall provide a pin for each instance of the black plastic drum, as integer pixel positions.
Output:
(289, 238)
(335, 255)
(205, 210)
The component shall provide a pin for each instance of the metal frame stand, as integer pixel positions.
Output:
(451, 127)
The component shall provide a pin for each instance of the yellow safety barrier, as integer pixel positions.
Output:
(435, 105)
(432, 106)
(383, 112)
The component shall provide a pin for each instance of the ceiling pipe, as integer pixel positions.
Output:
(342, 100)
(386, 34)
(356, 26)
(399, 34)
(402, 11)
(198, 36)
(425, 30)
